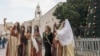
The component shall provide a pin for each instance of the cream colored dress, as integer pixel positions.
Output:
(12, 46)
(68, 50)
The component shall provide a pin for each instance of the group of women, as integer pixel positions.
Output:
(20, 43)
(29, 43)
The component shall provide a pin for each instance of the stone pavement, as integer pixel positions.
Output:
(3, 52)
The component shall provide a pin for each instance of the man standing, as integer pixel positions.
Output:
(3, 39)
(66, 39)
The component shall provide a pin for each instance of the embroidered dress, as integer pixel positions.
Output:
(47, 40)
(13, 42)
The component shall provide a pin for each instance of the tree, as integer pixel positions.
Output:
(75, 11)
(93, 19)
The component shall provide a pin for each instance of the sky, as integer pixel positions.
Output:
(23, 10)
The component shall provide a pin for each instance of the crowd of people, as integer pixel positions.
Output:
(26, 43)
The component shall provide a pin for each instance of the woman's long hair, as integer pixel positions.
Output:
(60, 25)
(17, 27)
(49, 28)
(36, 30)
(22, 31)
(29, 29)
(54, 27)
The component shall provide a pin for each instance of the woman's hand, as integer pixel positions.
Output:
(16, 31)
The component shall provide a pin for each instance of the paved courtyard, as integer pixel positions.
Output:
(2, 52)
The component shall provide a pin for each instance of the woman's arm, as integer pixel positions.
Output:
(5, 25)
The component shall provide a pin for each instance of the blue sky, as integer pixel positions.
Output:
(23, 10)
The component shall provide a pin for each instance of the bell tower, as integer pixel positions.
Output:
(38, 11)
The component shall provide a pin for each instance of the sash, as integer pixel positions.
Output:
(35, 44)
(46, 36)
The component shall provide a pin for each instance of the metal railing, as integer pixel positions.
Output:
(87, 47)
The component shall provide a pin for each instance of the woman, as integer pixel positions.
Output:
(14, 40)
(29, 44)
(66, 38)
(57, 48)
(38, 40)
(22, 47)
(47, 40)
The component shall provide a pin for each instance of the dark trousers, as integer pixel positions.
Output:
(47, 49)
(2, 43)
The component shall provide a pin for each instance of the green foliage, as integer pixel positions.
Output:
(75, 11)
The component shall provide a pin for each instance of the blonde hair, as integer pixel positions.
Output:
(49, 28)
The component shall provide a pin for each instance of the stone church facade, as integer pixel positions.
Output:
(42, 20)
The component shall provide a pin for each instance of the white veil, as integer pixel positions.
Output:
(65, 35)
(34, 42)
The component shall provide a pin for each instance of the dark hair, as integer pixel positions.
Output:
(23, 27)
(36, 28)
(54, 27)
(60, 24)
(17, 27)
(29, 29)
(22, 31)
